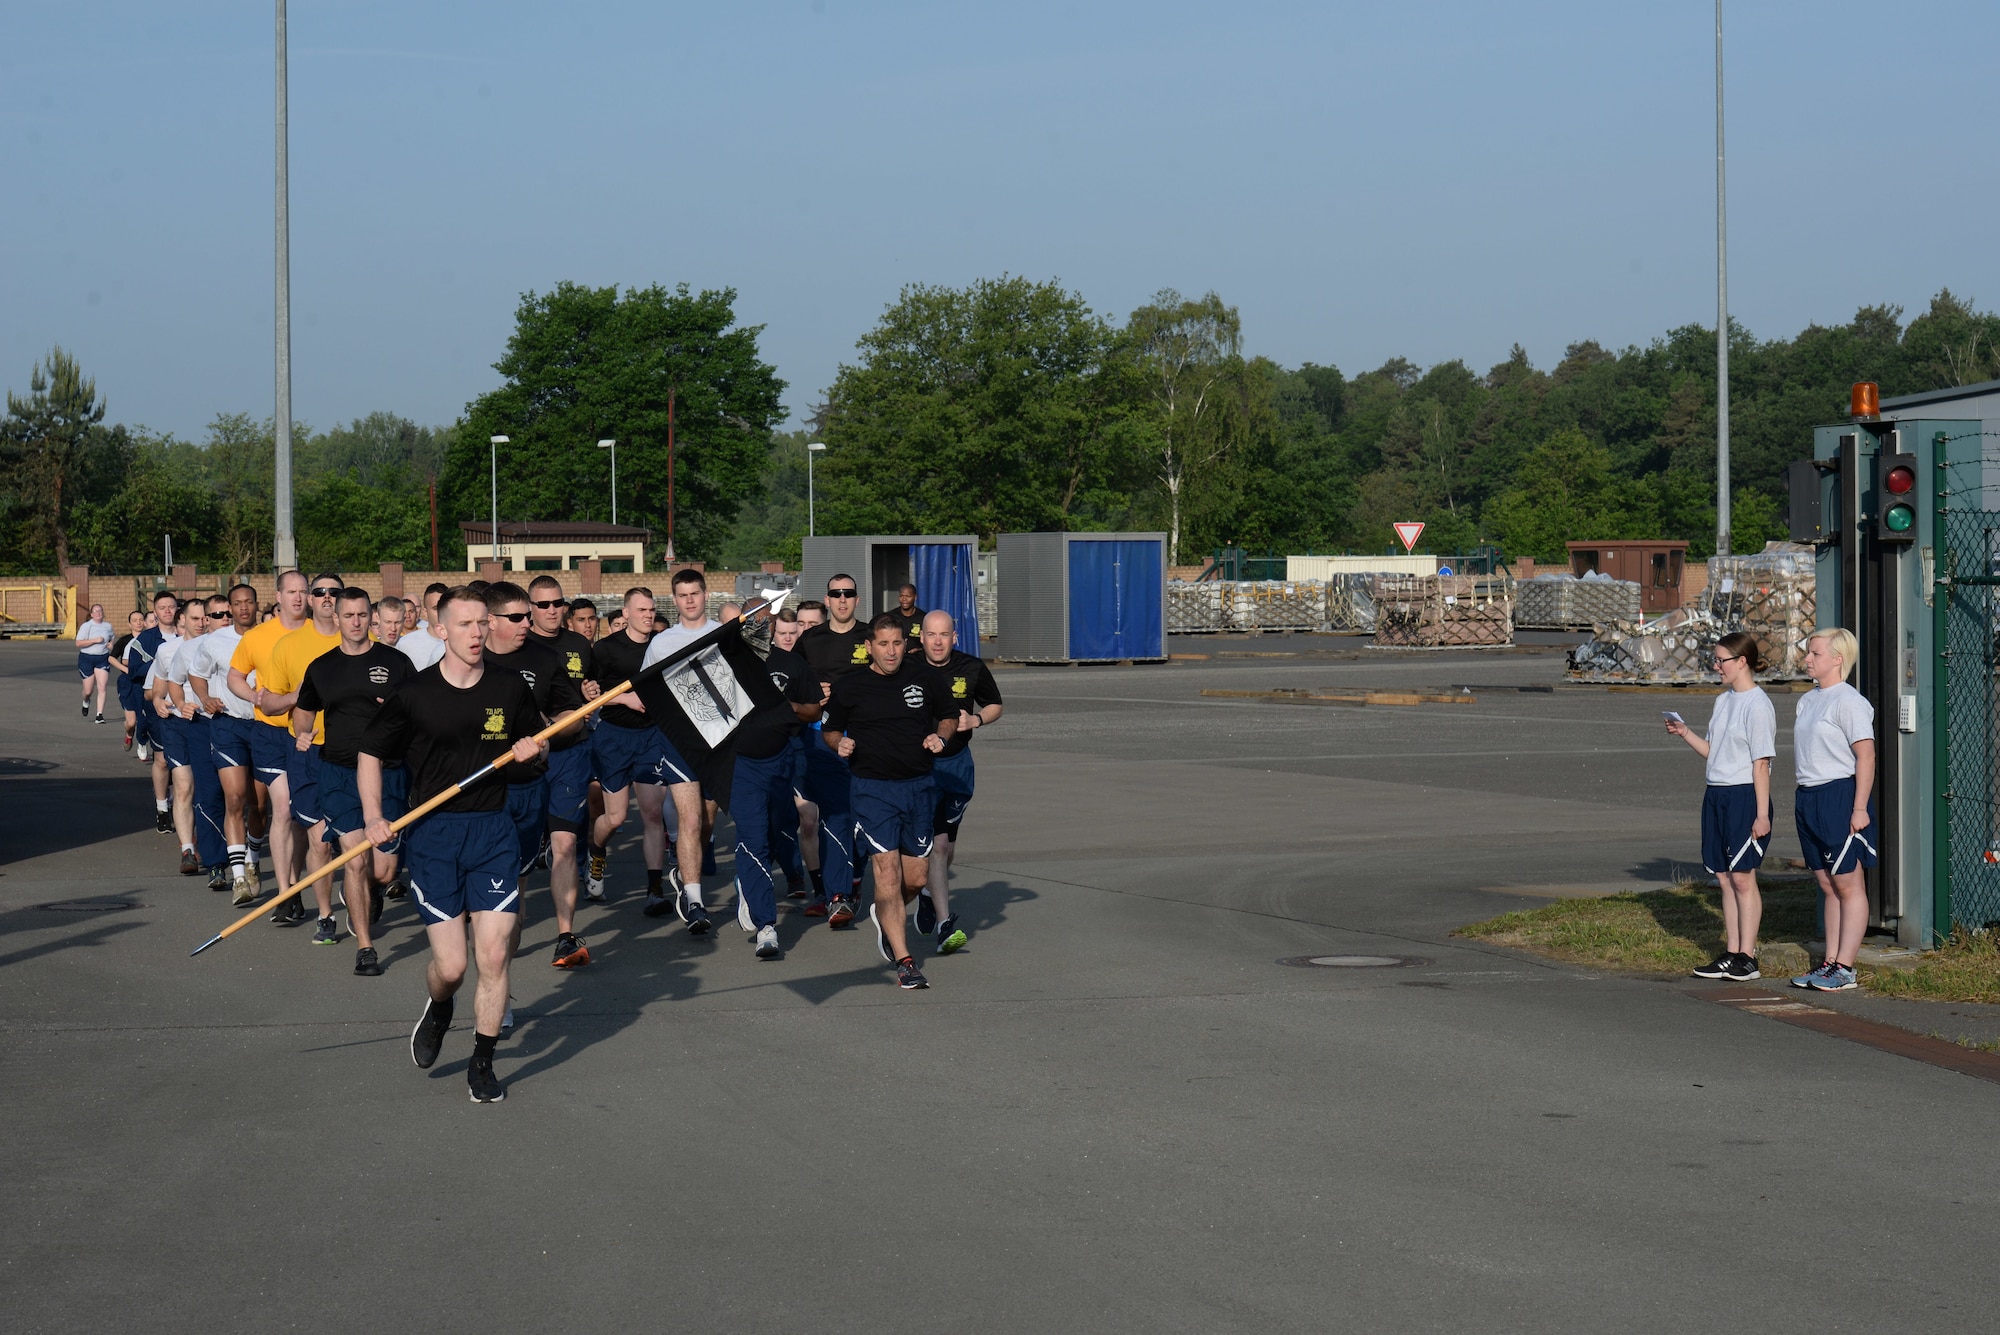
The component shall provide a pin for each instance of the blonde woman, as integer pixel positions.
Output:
(1833, 745)
(1736, 808)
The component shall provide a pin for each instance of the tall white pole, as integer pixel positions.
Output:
(614, 482)
(287, 550)
(493, 444)
(1721, 314)
(809, 492)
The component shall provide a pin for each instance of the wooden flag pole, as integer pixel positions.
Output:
(500, 761)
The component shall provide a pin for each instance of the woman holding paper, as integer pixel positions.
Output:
(1736, 809)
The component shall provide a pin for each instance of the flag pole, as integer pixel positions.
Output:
(562, 724)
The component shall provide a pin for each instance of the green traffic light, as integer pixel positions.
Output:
(1898, 518)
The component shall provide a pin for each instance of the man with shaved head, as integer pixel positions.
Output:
(967, 683)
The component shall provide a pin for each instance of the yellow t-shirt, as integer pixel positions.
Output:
(253, 656)
(291, 657)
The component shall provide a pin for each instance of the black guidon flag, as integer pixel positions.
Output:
(699, 695)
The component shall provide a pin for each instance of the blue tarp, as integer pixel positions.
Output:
(944, 576)
(1114, 599)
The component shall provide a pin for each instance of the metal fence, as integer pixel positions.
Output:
(1344, 603)
(1969, 685)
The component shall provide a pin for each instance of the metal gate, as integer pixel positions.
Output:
(1967, 611)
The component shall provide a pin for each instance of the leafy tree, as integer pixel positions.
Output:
(1192, 356)
(48, 437)
(1001, 406)
(585, 364)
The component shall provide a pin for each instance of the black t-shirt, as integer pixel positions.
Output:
(555, 694)
(913, 624)
(769, 730)
(443, 733)
(618, 657)
(348, 689)
(888, 718)
(969, 684)
(578, 661)
(834, 653)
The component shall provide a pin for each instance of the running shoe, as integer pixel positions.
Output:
(328, 933)
(926, 913)
(840, 912)
(291, 911)
(86, 709)
(881, 937)
(708, 858)
(1743, 968)
(218, 878)
(593, 881)
(541, 862)
(660, 905)
(767, 944)
(692, 913)
(143, 751)
(795, 889)
(190, 864)
(242, 892)
(1835, 978)
(427, 1039)
(949, 937)
(743, 918)
(397, 888)
(100, 718)
(570, 952)
(1715, 968)
(507, 1019)
(128, 739)
(365, 963)
(816, 909)
(908, 976)
(163, 823)
(1806, 979)
(484, 1085)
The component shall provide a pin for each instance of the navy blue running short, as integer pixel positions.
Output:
(340, 799)
(1728, 812)
(462, 862)
(1822, 813)
(894, 814)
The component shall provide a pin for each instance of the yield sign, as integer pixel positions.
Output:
(1409, 533)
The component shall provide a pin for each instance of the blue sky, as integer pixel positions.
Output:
(1426, 179)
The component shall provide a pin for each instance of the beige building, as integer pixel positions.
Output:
(618, 548)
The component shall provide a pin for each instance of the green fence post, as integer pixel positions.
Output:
(1941, 594)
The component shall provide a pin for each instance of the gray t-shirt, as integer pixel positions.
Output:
(674, 637)
(1742, 730)
(208, 658)
(422, 648)
(99, 631)
(163, 661)
(1830, 721)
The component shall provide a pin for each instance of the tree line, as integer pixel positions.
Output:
(1005, 405)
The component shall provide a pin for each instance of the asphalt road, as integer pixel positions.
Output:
(1114, 1111)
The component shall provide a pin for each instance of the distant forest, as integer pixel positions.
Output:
(1008, 405)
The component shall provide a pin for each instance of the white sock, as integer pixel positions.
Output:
(187, 848)
(159, 804)
(694, 891)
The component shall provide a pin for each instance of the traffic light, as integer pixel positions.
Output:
(1895, 497)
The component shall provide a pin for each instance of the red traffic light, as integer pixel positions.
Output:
(1900, 480)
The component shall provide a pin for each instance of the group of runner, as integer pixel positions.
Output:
(280, 736)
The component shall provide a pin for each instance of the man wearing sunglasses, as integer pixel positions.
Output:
(512, 647)
(271, 733)
(834, 650)
(570, 771)
(279, 690)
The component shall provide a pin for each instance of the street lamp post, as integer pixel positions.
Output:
(612, 445)
(496, 442)
(812, 448)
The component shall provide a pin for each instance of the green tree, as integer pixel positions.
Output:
(585, 364)
(1565, 490)
(48, 437)
(1002, 406)
(1191, 353)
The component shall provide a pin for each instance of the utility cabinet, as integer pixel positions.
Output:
(1083, 597)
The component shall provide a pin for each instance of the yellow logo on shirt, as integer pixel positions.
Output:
(575, 666)
(860, 653)
(496, 723)
(958, 688)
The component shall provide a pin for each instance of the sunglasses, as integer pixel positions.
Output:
(842, 593)
(516, 617)
(327, 592)
(546, 603)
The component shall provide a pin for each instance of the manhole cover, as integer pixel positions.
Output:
(87, 906)
(1351, 961)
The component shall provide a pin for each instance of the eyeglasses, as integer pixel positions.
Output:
(842, 593)
(1727, 658)
(516, 617)
(546, 603)
(326, 591)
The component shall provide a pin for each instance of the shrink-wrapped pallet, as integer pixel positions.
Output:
(1443, 612)
(1564, 602)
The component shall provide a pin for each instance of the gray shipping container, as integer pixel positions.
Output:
(1083, 597)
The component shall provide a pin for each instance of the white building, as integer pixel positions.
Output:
(619, 549)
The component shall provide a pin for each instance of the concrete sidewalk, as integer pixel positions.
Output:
(1114, 1111)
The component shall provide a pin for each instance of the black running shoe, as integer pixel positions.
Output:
(693, 914)
(396, 889)
(163, 823)
(1742, 968)
(291, 911)
(485, 1086)
(190, 864)
(927, 919)
(659, 906)
(908, 976)
(428, 1037)
(366, 964)
(100, 718)
(218, 878)
(328, 933)
(795, 889)
(1715, 968)
(841, 913)
(570, 952)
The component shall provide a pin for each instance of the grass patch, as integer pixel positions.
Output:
(1965, 968)
(1656, 931)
